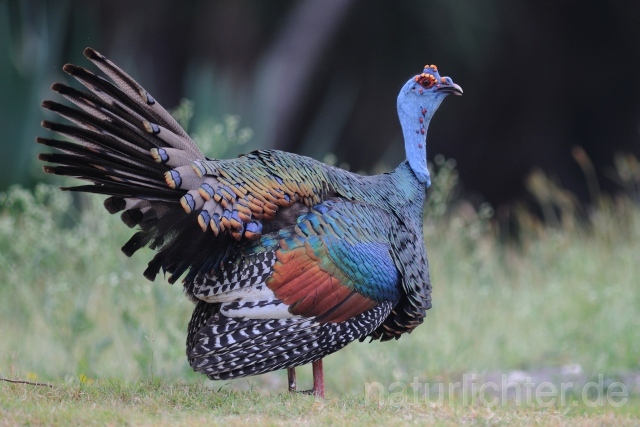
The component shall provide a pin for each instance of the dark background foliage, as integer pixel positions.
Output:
(540, 77)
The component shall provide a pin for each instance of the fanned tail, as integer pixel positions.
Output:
(130, 148)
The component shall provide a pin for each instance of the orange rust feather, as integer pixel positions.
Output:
(293, 269)
(297, 283)
(313, 288)
(352, 306)
(330, 294)
(300, 281)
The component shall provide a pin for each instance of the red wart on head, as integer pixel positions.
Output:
(426, 80)
(430, 77)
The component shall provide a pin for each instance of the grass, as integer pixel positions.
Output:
(180, 403)
(77, 313)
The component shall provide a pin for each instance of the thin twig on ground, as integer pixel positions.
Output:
(26, 382)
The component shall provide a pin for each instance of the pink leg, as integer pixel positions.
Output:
(318, 379)
(291, 376)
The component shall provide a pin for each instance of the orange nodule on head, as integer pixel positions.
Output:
(425, 80)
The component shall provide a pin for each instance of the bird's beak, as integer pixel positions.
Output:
(452, 88)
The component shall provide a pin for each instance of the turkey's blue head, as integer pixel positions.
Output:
(418, 100)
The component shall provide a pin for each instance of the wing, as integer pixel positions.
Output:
(238, 195)
(332, 264)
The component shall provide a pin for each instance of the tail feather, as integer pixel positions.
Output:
(171, 140)
(87, 152)
(104, 176)
(125, 132)
(124, 142)
(123, 171)
(114, 98)
(95, 105)
(92, 139)
(141, 96)
(124, 191)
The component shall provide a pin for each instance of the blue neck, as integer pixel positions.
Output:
(415, 122)
(418, 100)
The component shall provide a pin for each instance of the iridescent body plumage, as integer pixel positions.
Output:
(286, 259)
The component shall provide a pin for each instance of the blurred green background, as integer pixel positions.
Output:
(550, 118)
(318, 77)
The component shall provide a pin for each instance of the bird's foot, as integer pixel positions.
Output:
(312, 392)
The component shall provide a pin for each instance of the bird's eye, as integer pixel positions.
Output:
(426, 80)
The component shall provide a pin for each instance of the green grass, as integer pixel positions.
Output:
(180, 403)
(75, 312)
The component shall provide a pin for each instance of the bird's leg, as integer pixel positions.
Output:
(291, 376)
(318, 379)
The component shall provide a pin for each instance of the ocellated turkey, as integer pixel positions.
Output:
(286, 259)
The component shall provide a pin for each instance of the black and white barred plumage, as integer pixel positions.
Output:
(225, 348)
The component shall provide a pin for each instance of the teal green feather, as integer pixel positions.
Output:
(357, 239)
